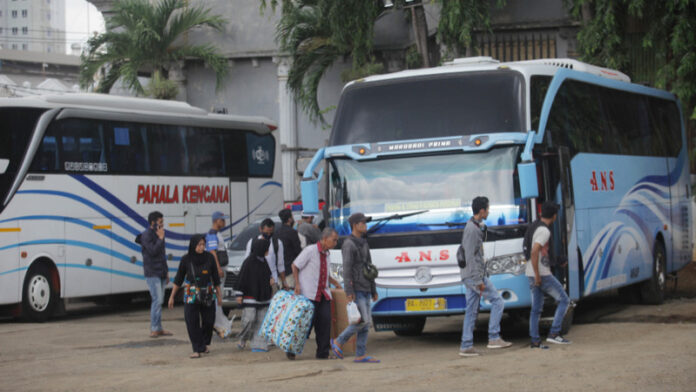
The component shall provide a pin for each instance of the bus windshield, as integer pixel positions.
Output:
(444, 185)
(436, 106)
(16, 128)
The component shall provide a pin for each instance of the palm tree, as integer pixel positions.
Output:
(144, 37)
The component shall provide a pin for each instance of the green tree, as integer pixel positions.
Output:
(142, 37)
(316, 33)
(668, 31)
(458, 21)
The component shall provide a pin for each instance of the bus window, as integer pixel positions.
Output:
(205, 155)
(539, 85)
(127, 152)
(235, 154)
(167, 150)
(78, 144)
(261, 154)
(16, 128)
(665, 115)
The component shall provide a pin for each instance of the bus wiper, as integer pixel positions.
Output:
(383, 221)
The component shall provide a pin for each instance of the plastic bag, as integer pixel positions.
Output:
(353, 313)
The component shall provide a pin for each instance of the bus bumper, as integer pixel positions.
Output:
(392, 302)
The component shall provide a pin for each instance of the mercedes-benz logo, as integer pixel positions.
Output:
(423, 275)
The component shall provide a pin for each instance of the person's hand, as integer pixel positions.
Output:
(350, 297)
(481, 287)
(272, 281)
(219, 301)
(285, 286)
(297, 288)
(220, 271)
(537, 280)
(160, 232)
(166, 277)
(171, 302)
(239, 300)
(375, 297)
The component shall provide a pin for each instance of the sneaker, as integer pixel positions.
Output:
(469, 352)
(498, 343)
(558, 339)
(539, 345)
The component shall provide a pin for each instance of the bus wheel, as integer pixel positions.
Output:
(653, 290)
(39, 295)
(413, 327)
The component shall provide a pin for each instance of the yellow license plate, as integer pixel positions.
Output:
(425, 304)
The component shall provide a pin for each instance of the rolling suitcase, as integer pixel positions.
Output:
(287, 321)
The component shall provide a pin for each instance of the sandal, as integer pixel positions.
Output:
(336, 350)
(367, 359)
(164, 333)
(195, 355)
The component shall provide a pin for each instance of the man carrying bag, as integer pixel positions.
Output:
(359, 285)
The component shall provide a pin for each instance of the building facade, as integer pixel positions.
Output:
(33, 25)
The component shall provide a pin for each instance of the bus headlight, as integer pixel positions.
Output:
(337, 272)
(508, 264)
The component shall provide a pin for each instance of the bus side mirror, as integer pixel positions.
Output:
(528, 180)
(4, 163)
(310, 195)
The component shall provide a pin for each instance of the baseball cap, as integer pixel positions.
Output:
(358, 217)
(219, 215)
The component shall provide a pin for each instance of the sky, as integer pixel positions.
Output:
(81, 20)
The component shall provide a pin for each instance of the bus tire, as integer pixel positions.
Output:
(415, 327)
(652, 291)
(39, 295)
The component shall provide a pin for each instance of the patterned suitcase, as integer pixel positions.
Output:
(287, 321)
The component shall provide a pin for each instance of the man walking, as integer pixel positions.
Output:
(155, 269)
(537, 243)
(215, 244)
(275, 257)
(356, 253)
(312, 279)
(288, 236)
(478, 285)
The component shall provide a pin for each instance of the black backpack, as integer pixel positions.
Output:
(461, 257)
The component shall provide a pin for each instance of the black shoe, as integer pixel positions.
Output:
(290, 356)
(539, 345)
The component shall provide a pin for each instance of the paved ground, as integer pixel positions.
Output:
(616, 347)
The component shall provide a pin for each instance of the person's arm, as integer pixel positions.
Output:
(280, 262)
(348, 253)
(295, 273)
(178, 281)
(470, 243)
(175, 288)
(536, 249)
(150, 243)
(373, 285)
(248, 248)
(216, 282)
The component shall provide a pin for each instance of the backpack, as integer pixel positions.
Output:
(461, 257)
(529, 235)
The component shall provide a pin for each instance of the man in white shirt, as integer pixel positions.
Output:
(275, 258)
(312, 279)
(537, 244)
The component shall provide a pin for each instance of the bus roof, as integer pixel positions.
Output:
(483, 63)
(111, 107)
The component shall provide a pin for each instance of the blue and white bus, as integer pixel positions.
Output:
(81, 172)
(412, 149)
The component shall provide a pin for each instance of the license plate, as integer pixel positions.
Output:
(425, 304)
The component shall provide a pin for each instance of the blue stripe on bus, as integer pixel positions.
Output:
(102, 269)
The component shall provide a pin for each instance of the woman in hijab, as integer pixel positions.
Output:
(198, 274)
(254, 283)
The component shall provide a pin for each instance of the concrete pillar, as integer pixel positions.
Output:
(287, 127)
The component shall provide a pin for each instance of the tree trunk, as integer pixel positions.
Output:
(420, 32)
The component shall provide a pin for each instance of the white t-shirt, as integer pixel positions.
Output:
(541, 236)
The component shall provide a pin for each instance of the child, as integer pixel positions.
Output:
(254, 283)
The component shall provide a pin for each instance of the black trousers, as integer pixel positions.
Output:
(199, 324)
(322, 326)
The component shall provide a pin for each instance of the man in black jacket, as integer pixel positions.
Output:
(155, 269)
(291, 244)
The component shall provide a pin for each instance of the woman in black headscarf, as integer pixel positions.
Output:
(255, 285)
(198, 274)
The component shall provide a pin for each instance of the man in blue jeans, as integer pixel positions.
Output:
(477, 284)
(156, 270)
(537, 243)
(356, 252)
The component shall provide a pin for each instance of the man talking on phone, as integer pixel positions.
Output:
(155, 269)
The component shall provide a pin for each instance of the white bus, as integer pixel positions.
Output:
(81, 172)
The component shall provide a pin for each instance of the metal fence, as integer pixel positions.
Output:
(517, 46)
